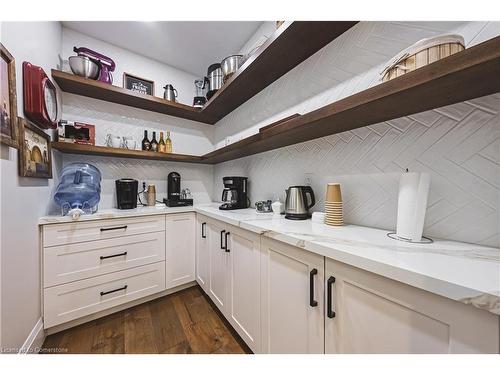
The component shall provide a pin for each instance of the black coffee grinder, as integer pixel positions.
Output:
(174, 198)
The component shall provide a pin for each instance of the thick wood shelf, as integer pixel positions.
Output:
(291, 44)
(94, 89)
(469, 74)
(72, 148)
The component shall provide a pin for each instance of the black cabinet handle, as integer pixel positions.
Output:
(330, 313)
(113, 256)
(221, 240)
(225, 246)
(203, 234)
(312, 302)
(114, 290)
(115, 228)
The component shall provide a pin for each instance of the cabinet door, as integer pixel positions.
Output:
(292, 294)
(218, 265)
(202, 252)
(373, 314)
(243, 310)
(180, 248)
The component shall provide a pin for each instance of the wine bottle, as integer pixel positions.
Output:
(168, 144)
(146, 145)
(154, 144)
(161, 145)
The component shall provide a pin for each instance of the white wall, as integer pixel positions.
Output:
(130, 62)
(188, 137)
(459, 145)
(24, 200)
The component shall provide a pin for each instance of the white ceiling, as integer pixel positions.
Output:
(188, 45)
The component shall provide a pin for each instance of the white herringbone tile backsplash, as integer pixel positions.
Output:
(458, 145)
(198, 178)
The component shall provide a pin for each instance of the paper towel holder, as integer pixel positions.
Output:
(424, 239)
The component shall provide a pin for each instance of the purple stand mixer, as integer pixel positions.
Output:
(106, 65)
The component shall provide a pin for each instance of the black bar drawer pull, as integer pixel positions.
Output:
(114, 228)
(312, 302)
(203, 234)
(221, 239)
(114, 290)
(225, 246)
(330, 313)
(113, 256)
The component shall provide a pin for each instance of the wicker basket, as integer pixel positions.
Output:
(422, 53)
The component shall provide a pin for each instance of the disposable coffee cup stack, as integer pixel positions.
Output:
(333, 205)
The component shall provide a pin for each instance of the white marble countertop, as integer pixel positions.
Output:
(460, 271)
(114, 213)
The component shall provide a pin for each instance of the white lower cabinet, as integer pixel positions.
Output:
(76, 261)
(217, 286)
(92, 266)
(243, 307)
(367, 313)
(180, 249)
(202, 253)
(74, 300)
(228, 268)
(292, 293)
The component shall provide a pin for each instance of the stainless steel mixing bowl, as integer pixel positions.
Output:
(84, 67)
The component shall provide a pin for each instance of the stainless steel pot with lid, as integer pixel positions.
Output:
(215, 76)
(230, 65)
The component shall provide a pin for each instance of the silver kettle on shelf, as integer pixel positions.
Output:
(299, 199)
(170, 93)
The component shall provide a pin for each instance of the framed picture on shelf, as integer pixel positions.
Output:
(35, 156)
(8, 99)
(137, 84)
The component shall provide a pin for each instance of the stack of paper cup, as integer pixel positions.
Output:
(333, 205)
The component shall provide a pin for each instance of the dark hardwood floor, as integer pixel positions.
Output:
(181, 323)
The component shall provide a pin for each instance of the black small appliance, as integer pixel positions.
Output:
(234, 195)
(126, 193)
(174, 198)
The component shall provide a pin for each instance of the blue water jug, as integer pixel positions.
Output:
(79, 189)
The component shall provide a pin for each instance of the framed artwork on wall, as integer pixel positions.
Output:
(137, 84)
(35, 153)
(8, 99)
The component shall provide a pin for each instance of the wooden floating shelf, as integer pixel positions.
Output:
(94, 89)
(292, 43)
(73, 148)
(468, 74)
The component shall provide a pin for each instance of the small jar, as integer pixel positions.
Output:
(277, 208)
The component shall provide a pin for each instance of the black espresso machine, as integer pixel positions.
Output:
(234, 195)
(174, 198)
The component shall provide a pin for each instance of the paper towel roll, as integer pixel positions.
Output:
(412, 204)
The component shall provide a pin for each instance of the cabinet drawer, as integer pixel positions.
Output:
(67, 302)
(72, 262)
(61, 234)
